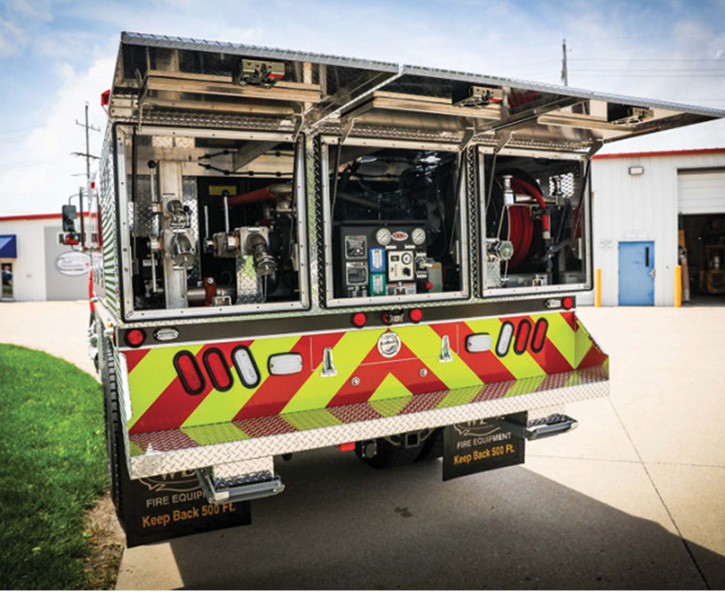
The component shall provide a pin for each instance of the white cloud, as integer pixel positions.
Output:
(37, 173)
(12, 38)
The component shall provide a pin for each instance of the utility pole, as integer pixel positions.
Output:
(564, 69)
(88, 157)
(87, 154)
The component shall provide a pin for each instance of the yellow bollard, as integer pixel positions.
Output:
(598, 289)
(678, 286)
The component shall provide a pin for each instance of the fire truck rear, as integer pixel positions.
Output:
(294, 251)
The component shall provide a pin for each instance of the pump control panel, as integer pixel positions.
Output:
(382, 258)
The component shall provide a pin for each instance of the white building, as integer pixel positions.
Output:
(31, 259)
(642, 203)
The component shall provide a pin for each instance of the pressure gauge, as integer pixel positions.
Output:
(383, 236)
(418, 236)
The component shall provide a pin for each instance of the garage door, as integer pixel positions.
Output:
(700, 193)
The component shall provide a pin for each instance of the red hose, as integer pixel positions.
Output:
(521, 227)
(523, 187)
(251, 197)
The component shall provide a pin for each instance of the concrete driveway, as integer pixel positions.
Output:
(632, 499)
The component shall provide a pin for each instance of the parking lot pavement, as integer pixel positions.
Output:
(631, 499)
(58, 328)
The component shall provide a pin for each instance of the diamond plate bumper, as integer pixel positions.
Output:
(154, 453)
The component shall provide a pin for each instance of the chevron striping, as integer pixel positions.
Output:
(562, 336)
(350, 350)
(422, 340)
(520, 366)
(223, 406)
(389, 388)
(275, 392)
(152, 376)
(306, 400)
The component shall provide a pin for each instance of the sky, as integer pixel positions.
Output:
(57, 55)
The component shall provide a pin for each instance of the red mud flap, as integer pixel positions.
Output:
(172, 505)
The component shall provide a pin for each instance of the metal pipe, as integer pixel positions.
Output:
(154, 286)
(225, 196)
(206, 221)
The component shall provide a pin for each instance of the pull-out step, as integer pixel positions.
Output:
(545, 427)
(244, 484)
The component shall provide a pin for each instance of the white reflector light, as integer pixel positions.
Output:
(246, 368)
(284, 364)
(166, 334)
(478, 343)
(504, 339)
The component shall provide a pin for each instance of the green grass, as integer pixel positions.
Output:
(52, 468)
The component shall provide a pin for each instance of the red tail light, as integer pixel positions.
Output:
(217, 369)
(359, 319)
(189, 372)
(135, 337)
(567, 303)
(415, 315)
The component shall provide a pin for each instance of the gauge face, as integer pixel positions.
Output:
(383, 236)
(418, 236)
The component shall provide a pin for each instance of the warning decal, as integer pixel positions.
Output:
(481, 445)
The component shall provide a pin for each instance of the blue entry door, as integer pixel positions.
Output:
(636, 273)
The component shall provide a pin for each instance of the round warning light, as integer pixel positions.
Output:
(135, 337)
(567, 303)
(359, 319)
(416, 315)
(428, 285)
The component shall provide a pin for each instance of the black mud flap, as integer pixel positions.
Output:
(167, 506)
(477, 446)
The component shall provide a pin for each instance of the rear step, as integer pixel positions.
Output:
(553, 425)
(239, 482)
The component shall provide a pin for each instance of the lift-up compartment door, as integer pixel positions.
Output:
(459, 107)
(181, 81)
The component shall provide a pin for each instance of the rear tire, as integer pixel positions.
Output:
(117, 473)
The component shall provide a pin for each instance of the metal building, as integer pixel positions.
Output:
(35, 266)
(651, 212)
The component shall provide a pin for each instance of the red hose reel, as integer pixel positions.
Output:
(521, 224)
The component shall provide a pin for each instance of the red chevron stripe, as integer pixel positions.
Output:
(174, 405)
(373, 370)
(571, 320)
(133, 357)
(172, 408)
(276, 391)
(594, 357)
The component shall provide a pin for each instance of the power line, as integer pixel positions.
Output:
(653, 71)
(643, 75)
(648, 60)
